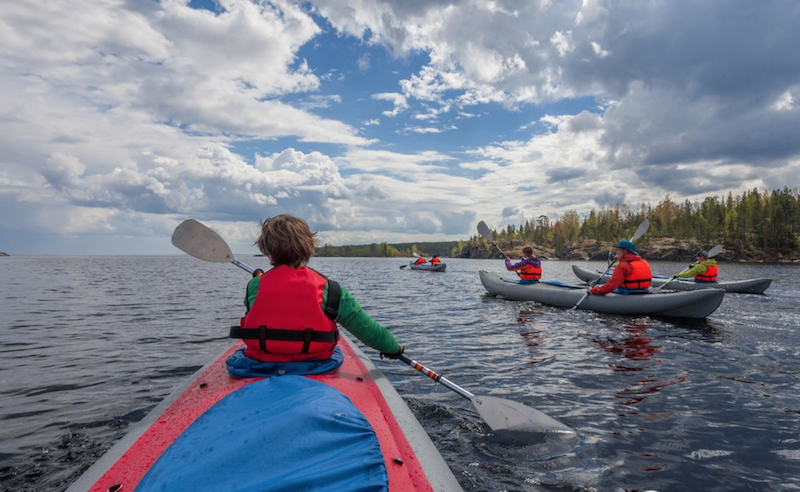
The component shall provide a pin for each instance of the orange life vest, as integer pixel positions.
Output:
(709, 276)
(288, 319)
(419, 261)
(640, 277)
(530, 272)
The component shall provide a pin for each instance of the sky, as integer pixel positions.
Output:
(380, 120)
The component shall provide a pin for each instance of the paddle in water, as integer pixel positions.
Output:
(500, 414)
(712, 253)
(636, 235)
(200, 241)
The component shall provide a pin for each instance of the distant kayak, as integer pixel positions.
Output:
(345, 430)
(750, 286)
(691, 304)
(439, 267)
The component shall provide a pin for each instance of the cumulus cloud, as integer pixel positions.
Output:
(142, 111)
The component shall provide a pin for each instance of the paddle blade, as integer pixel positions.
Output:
(484, 231)
(715, 251)
(507, 415)
(200, 241)
(641, 229)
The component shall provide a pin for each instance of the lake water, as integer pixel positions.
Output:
(89, 345)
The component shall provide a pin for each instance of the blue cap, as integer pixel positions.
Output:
(628, 245)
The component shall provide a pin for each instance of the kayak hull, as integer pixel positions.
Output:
(428, 267)
(749, 286)
(691, 304)
(411, 460)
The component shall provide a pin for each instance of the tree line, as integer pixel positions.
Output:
(763, 220)
(440, 248)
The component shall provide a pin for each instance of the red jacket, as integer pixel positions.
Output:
(633, 272)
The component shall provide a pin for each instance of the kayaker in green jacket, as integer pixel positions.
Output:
(703, 270)
(290, 301)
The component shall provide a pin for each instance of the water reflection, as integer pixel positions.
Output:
(533, 338)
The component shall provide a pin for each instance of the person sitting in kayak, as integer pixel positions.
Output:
(631, 276)
(420, 261)
(292, 313)
(703, 270)
(435, 260)
(530, 268)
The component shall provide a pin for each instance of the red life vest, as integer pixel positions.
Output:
(640, 277)
(530, 272)
(435, 261)
(419, 261)
(288, 315)
(709, 276)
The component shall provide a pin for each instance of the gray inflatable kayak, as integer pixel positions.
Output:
(751, 286)
(689, 304)
(427, 266)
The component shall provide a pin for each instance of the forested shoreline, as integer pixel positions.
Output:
(754, 226)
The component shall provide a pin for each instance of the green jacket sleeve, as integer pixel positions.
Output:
(366, 329)
(696, 269)
(250, 292)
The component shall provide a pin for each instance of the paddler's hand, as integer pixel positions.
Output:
(588, 290)
(258, 272)
(394, 355)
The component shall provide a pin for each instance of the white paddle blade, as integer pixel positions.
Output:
(715, 251)
(507, 415)
(641, 229)
(198, 240)
(484, 231)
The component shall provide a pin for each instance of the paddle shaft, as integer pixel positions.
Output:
(437, 377)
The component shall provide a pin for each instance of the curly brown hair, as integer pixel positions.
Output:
(287, 240)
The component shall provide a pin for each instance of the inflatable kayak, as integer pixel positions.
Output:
(751, 286)
(690, 304)
(346, 430)
(439, 267)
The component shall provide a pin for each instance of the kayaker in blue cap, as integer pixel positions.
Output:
(631, 276)
(292, 303)
(530, 268)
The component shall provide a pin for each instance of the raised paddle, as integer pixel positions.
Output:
(711, 253)
(636, 235)
(202, 242)
(196, 239)
(484, 231)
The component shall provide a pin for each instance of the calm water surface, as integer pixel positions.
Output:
(89, 345)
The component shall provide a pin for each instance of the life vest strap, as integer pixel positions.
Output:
(264, 333)
(332, 301)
